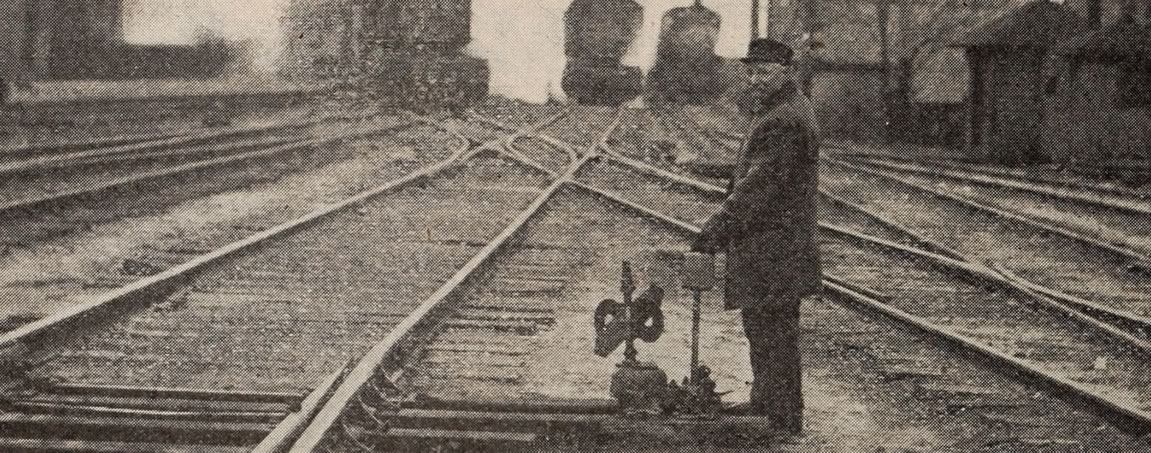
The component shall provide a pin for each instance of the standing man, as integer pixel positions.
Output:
(767, 227)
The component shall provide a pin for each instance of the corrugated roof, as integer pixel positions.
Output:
(1038, 24)
(1122, 39)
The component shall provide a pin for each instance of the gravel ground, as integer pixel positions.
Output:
(49, 275)
(870, 386)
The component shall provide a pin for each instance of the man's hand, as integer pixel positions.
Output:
(715, 234)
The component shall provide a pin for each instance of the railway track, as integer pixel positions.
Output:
(161, 144)
(387, 357)
(1110, 217)
(41, 149)
(233, 350)
(30, 182)
(1044, 177)
(1081, 273)
(474, 337)
(877, 265)
(273, 324)
(61, 247)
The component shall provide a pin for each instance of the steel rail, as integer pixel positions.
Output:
(997, 273)
(15, 342)
(271, 140)
(197, 165)
(101, 142)
(60, 160)
(1139, 258)
(1073, 306)
(508, 143)
(956, 261)
(17, 345)
(1064, 193)
(868, 300)
(295, 427)
(938, 247)
(1124, 317)
(512, 151)
(291, 426)
(26, 334)
(988, 274)
(1009, 173)
(383, 355)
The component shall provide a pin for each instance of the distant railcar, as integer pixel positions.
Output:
(601, 29)
(597, 35)
(602, 85)
(686, 68)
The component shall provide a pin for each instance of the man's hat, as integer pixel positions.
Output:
(768, 51)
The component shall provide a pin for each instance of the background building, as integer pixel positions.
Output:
(1006, 57)
(884, 70)
(70, 39)
(1098, 97)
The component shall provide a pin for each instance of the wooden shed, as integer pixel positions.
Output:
(1098, 108)
(1006, 57)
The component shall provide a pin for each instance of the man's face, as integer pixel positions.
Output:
(766, 77)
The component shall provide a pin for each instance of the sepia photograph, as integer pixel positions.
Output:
(454, 226)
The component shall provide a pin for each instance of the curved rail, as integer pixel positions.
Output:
(24, 345)
(382, 356)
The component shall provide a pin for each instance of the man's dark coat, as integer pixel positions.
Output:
(768, 221)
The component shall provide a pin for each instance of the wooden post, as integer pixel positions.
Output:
(769, 17)
(755, 19)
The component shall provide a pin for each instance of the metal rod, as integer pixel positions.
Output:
(695, 307)
(627, 286)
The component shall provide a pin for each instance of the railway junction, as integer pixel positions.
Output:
(372, 252)
(357, 282)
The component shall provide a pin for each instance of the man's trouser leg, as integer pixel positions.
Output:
(773, 335)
